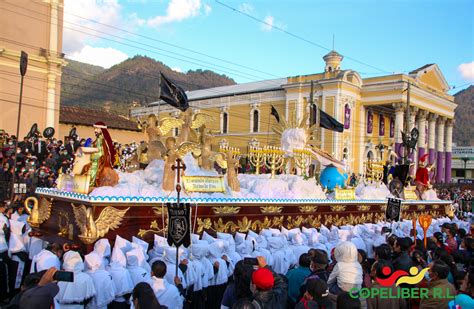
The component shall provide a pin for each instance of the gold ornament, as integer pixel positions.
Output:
(63, 223)
(40, 212)
(256, 158)
(153, 229)
(109, 219)
(435, 206)
(420, 207)
(226, 210)
(363, 207)
(338, 208)
(271, 209)
(308, 209)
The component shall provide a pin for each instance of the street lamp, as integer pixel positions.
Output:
(466, 158)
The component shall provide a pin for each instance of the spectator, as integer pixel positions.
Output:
(347, 272)
(167, 294)
(402, 260)
(451, 239)
(316, 296)
(346, 301)
(240, 288)
(144, 297)
(438, 283)
(376, 302)
(42, 295)
(296, 277)
(268, 288)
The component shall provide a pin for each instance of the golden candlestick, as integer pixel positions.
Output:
(235, 150)
(302, 159)
(373, 171)
(256, 158)
(274, 159)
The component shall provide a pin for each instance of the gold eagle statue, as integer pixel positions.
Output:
(40, 212)
(91, 229)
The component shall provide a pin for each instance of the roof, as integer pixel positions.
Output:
(85, 116)
(222, 91)
(332, 53)
(421, 68)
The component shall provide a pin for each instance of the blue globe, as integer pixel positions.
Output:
(330, 178)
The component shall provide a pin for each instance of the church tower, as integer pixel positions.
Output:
(333, 61)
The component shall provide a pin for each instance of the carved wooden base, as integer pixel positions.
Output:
(146, 219)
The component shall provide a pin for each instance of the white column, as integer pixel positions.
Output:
(449, 135)
(51, 100)
(421, 128)
(411, 120)
(432, 130)
(399, 109)
(440, 134)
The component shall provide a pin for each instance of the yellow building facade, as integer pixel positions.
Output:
(373, 111)
(35, 27)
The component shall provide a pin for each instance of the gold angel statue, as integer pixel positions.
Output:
(190, 123)
(231, 163)
(109, 219)
(206, 156)
(174, 152)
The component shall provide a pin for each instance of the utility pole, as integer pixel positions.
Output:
(407, 124)
(23, 67)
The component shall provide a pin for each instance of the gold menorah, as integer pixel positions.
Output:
(302, 159)
(235, 151)
(274, 158)
(256, 158)
(373, 170)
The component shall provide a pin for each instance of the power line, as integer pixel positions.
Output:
(296, 36)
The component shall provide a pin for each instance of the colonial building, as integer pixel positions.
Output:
(371, 109)
(35, 27)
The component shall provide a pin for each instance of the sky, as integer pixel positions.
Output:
(375, 37)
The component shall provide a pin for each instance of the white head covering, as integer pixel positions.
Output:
(206, 236)
(216, 250)
(44, 261)
(102, 249)
(82, 288)
(120, 275)
(245, 248)
(239, 237)
(134, 260)
(201, 266)
(159, 245)
(103, 283)
(349, 268)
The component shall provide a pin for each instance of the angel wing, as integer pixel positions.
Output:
(219, 158)
(200, 119)
(169, 123)
(109, 218)
(44, 209)
(186, 147)
(80, 214)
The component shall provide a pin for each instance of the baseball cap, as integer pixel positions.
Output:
(39, 296)
(263, 279)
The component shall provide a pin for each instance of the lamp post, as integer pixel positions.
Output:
(465, 159)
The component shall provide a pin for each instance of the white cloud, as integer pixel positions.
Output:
(246, 8)
(269, 20)
(467, 71)
(177, 69)
(177, 10)
(135, 20)
(207, 9)
(104, 57)
(105, 11)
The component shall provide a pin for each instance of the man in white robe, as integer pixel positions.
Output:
(137, 273)
(166, 293)
(76, 294)
(298, 246)
(4, 257)
(280, 262)
(103, 283)
(218, 282)
(121, 277)
(102, 249)
(18, 253)
(44, 260)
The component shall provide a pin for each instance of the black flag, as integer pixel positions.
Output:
(394, 206)
(327, 122)
(275, 114)
(179, 228)
(173, 94)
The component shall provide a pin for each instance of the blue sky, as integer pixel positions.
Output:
(391, 36)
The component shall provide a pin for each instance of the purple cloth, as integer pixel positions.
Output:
(440, 167)
(448, 167)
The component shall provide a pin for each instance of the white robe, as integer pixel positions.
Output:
(81, 289)
(202, 267)
(120, 275)
(44, 260)
(170, 260)
(16, 245)
(280, 262)
(3, 242)
(103, 283)
(137, 273)
(216, 250)
(102, 249)
(167, 294)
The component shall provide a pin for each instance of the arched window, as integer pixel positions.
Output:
(224, 123)
(255, 121)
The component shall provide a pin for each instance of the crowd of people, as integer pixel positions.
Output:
(276, 268)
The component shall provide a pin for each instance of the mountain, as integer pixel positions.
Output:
(136, 80)
(463, 134)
